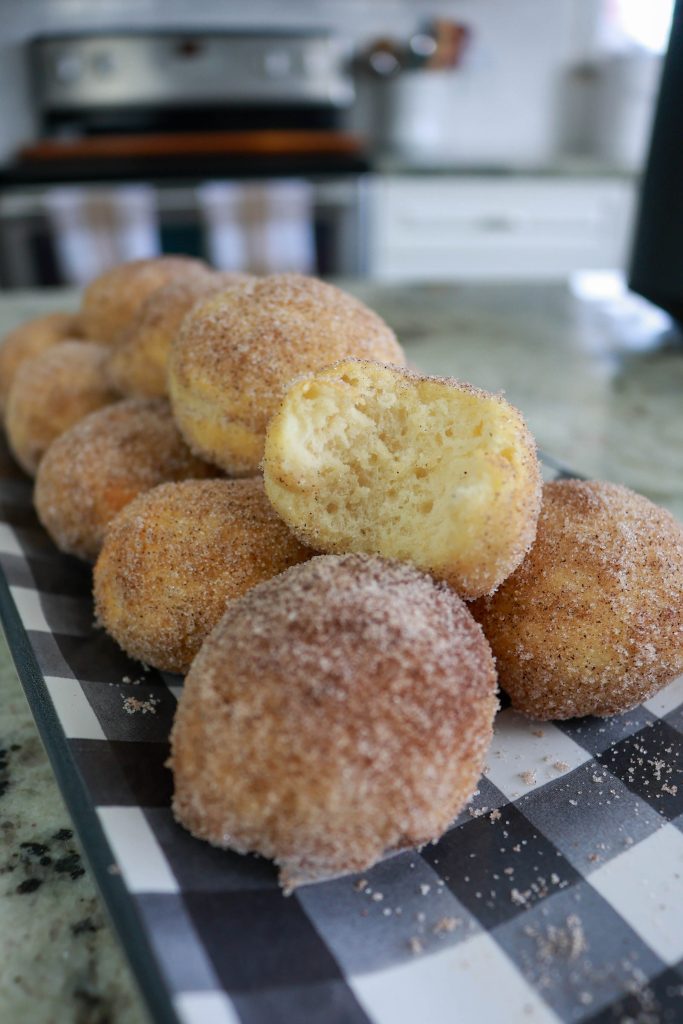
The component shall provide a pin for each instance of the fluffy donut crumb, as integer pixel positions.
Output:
(368, 457)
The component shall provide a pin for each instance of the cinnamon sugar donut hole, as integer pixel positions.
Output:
(112, 299)
(237, 351)
(337, 712)
(50, 393)
(137, 365)
(174, 557)
(89, 473)
(591, 623)
(30, 339)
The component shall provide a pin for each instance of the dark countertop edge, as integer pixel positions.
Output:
(172, 170)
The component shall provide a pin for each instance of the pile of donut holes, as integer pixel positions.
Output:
(144, 418)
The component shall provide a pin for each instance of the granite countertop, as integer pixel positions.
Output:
(599, 376)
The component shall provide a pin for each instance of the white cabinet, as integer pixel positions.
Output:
(441, 227)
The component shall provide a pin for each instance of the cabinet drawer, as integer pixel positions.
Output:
(510, 227)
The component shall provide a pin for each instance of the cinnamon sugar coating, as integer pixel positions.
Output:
(339, 711)
(100, 464)
(50, 393)
(30, 339)
(137, 365)
(174, 557)
(111, 301)
(591, 623)
(237, 351)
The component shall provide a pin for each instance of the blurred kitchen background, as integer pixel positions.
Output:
(397, 140)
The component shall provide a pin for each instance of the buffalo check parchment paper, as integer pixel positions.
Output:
(557, 895)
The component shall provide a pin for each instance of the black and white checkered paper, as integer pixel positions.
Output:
(556, 896)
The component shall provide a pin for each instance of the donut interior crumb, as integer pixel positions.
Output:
(376, 459)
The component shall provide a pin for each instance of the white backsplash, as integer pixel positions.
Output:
(505, 99)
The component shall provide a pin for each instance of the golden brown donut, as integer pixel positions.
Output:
(30, 339)
(592, 621)
(238, 350)
(50, 393)
(137, 365)
(176, 554)
(111, 301)
(92, 470)
(338, 711)
(366, 457)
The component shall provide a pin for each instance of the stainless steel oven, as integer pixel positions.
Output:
(192, 126)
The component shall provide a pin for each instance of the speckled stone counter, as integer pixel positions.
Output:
(599, 376)
(59, 960)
